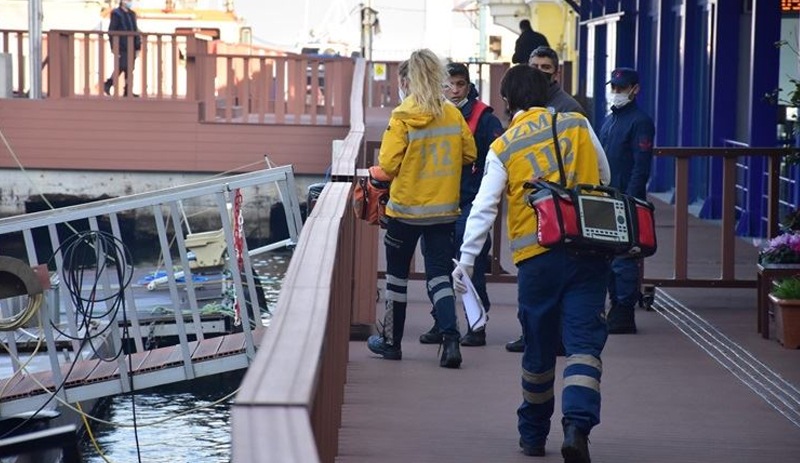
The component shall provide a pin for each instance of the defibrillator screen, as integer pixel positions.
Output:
(598, 213)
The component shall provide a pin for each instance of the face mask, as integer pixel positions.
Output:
(128, 5)
(460, 103)
(401, 93)
(618, 100)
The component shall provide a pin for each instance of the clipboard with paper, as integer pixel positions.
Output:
(473, 307)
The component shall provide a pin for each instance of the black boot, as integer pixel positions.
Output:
(451, 354)
(621, 320)
(432, 336)
(576, 445)
(531, 450)
(516, 346)
(474, 338)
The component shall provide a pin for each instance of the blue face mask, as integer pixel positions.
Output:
(128, 5)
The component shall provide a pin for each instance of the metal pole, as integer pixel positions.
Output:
(35, 49)
(482, 14)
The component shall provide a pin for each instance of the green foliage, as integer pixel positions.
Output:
(787, 289)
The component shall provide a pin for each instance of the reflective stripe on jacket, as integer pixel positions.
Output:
(424, 156)
(527, 151)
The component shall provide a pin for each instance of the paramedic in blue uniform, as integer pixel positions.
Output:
(556, 289)
(627, 137)
(485, 127)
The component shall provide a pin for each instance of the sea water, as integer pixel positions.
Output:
(198, 424)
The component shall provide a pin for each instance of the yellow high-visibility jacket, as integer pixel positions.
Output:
(424, 156)
(527, 152)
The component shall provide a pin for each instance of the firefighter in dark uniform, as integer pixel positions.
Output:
(627, 137)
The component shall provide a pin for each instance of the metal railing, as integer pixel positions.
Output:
(43, 236)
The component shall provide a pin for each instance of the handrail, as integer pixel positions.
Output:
(294, 389)
(683, 155)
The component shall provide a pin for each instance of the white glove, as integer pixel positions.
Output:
(458, 273)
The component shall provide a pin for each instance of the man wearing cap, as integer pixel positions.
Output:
(627, 137)
(485, 127)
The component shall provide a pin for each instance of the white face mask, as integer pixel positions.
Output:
(460, 103)
(618, 100)
(401, 93)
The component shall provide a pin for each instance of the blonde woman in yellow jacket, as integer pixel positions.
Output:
(423, 150)
(557, 291)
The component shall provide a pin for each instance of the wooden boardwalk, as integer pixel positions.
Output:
(665, 397)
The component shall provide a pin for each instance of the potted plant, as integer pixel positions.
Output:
(785, 297)
(783, 249)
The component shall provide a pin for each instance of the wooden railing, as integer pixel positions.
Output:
(727, 231)
(276, 89)
(81, 61)
(15, 43)
(294, 390)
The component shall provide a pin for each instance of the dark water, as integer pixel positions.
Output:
(198, 436)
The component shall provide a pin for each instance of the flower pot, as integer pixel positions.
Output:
(787, 321)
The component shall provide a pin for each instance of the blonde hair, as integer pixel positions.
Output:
(426, 74)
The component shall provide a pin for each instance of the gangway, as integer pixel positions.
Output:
(77, 373)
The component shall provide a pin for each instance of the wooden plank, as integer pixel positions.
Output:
(232, 344)
(7, 384)
(104, 371)
(158, 359)
(136, 360)
(207, 348)
(28, 386)
(82, 370)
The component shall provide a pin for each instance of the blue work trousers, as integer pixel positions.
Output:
(401, 242)
(624, 282)
(554, 287)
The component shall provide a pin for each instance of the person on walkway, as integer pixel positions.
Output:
(527, 41)
(545, 59)
(423, 151)
(485, 128)
(557, 290)
(123, 19)
(627, 136)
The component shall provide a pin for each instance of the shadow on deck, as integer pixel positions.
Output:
(697, 384)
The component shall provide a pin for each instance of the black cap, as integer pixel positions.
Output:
(624, 77)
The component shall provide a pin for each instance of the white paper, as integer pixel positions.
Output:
(473, 307)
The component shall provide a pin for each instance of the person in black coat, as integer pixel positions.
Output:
(123, 19)
(527, 41)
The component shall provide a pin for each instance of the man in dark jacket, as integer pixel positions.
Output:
(485, 127)
(123, 19)
(545, 59)
(627, 137)
(527, 41)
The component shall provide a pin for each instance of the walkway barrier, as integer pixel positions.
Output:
(293, 392)
(730, 201)
(100, 315)
(293, 89)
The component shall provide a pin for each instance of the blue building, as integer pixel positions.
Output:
(705, 67)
